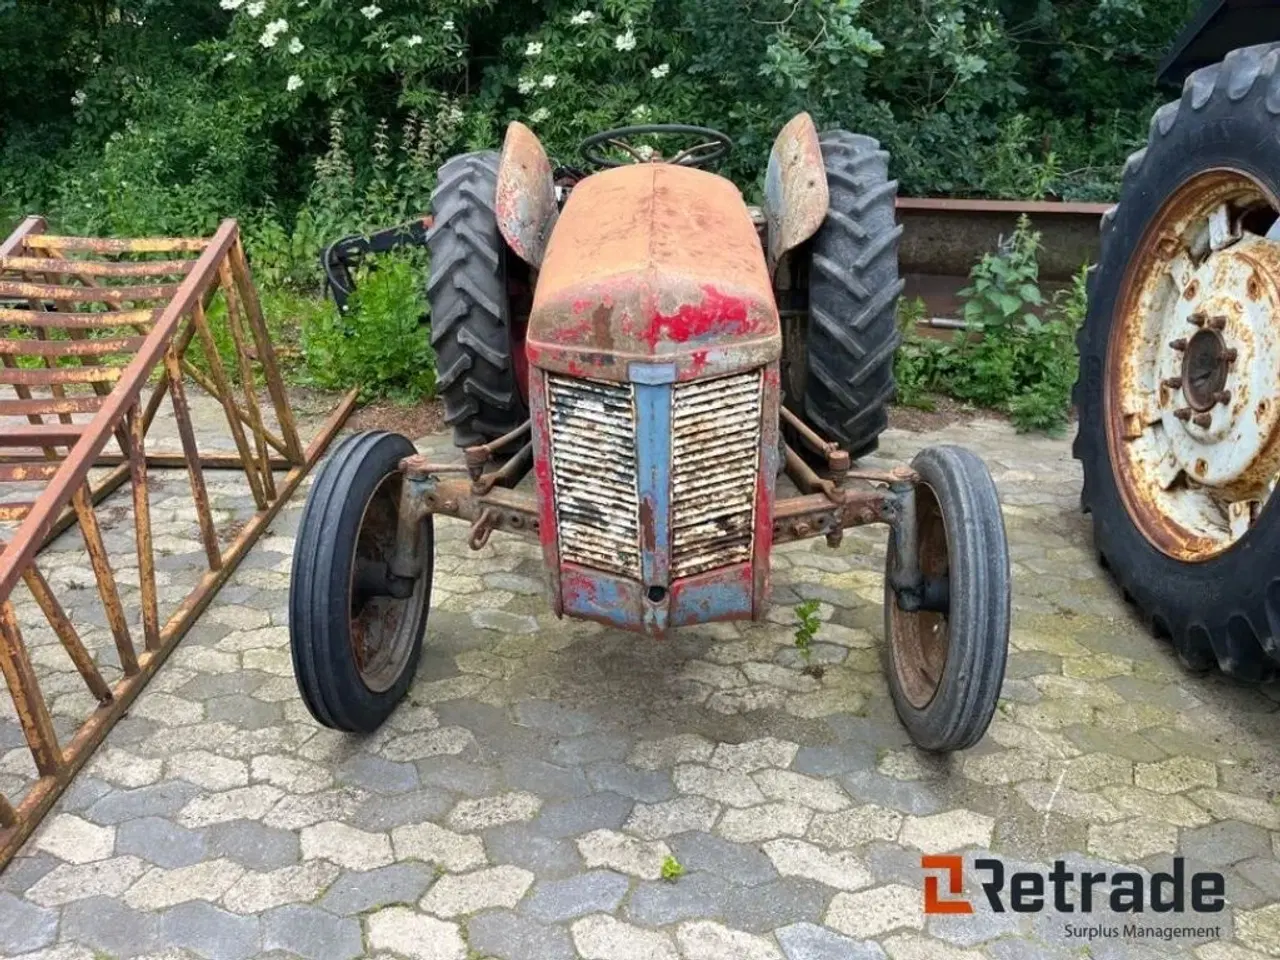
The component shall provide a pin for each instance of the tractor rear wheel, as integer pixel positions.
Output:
(472, 327)
(851, 332)
(1179, 436)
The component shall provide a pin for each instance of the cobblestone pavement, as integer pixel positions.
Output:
(521, 804)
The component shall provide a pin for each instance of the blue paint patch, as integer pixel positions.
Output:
(653, 485)
(595, 595)
(718, 595)
(654, 373)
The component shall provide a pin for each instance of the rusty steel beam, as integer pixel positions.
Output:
(71, 449)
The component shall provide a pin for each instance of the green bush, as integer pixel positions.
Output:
(1017, 354)
(380, 343)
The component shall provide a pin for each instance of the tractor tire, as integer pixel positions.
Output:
(470, 306)
(1218, 603)
(852, 332)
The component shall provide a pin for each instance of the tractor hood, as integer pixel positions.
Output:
(653, 263)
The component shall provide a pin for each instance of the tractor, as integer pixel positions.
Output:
(1179, 430)
(630, 358)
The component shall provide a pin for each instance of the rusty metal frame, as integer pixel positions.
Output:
(81, 302)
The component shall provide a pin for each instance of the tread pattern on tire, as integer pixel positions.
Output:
(853, 289)
(470, 313)
(1241, 636)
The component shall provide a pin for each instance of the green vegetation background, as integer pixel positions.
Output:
(312, 119)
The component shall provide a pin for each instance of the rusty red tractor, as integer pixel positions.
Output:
(656, 354)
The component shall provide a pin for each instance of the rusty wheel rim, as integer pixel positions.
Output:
(921, 640)
(382, 627)
(1193, 358)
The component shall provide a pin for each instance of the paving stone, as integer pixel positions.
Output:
(668, 752)
(486, 812)
(252, 844)
(378, 775)
(157, 800)
(853, 828)
(770, 905)
(311, 933)
(402, 931)
(521, 845)
(569, 818)
(242, 803)
(555, 718)
(509, 936)
(1132, 840)
(839, 869)
(646, 786)
(765, 822)
(1222, 844)
(355, 893)
(210, 932)
(456, 895)
(737, 862)
(159, 888)
(24, 870)
(161, 842)
(873, 912)
(601, 937)
(722, 786)
(617, 851)
(346, 846)
(25, 927)
(102, 878)
(110, 927)
(208, 770)
(290, 773)
(707, 940)
(598, 891)
(70, 838)
(754, 755)
(948, 831)
(830, 761)
(789, 787)
(433, 844)
(255, 892)
(808, 941)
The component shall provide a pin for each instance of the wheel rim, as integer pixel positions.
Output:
(921, 640)
(1192, 362)
(383, 628)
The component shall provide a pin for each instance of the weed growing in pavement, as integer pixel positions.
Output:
(672, 869)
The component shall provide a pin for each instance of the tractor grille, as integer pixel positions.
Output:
(715, 461)
(593, 461)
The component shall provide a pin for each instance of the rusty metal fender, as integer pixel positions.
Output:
(795, 188)
(525, 201)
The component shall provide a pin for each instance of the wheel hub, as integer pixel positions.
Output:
(1219, 364)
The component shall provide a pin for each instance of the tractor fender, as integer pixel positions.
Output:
(795, 188)
(1219, 27)
(525, 201)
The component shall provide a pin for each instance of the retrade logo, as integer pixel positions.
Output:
(1065, 891)
(953, 867)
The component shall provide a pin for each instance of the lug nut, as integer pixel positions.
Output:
(1183, 413)
(1173, 383)
(1196, 319)
(1222, 396)
(1217, 323)
(1202, 419)
(1229, 355)
(1179, 344)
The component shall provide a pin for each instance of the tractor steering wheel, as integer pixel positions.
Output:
(715, 146)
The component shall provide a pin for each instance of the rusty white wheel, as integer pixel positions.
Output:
(1192, 402)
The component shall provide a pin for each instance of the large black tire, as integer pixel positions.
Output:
(853, 290)
(1225, 608)
(360, 476)
(948, 705)
(470, 305)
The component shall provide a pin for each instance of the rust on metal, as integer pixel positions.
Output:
(525, 199)
(1193, 349)
(89, 391)
(795, 188)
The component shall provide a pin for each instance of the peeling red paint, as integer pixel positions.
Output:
(717, 313)
(698, 361)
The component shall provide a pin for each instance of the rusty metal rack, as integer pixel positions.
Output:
(96, 334)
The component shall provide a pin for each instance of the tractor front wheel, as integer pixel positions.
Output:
(1179, 436)
(948, 630)
(354, 631)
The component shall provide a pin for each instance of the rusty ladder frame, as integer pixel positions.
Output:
(153, 309)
